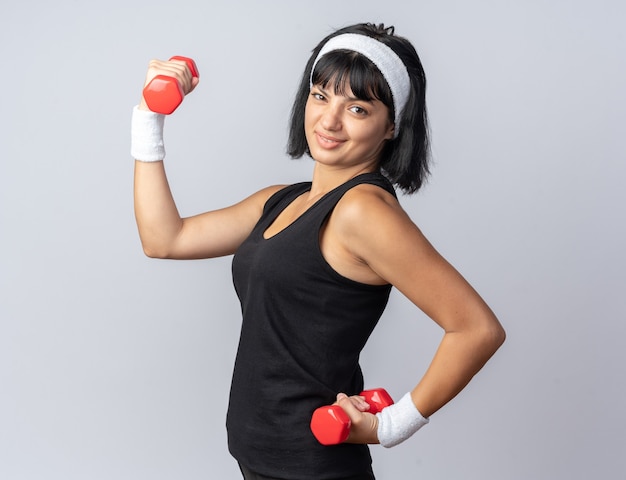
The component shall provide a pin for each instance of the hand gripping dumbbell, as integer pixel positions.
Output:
(331, 425)
(164, 94)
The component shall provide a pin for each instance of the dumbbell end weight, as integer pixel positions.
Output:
(377, 399)
(163, 94)
(330, 425)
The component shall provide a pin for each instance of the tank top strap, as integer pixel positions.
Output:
(319, 212)
(285, 196)
(330, 200)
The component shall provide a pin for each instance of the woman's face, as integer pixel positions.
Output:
(344, 131)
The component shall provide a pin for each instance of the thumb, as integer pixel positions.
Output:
(194, 83)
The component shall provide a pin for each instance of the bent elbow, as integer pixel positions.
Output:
(494, 336)
(151, 251)
(500, 337)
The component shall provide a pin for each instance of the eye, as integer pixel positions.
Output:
(358, 110)
(317, 96)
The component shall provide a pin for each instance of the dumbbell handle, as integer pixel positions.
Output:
(164, 94)
(330, 424)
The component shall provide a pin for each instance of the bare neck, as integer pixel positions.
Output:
(327, 178)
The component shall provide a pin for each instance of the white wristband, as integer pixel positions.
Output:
(399, 421)
(146, 136)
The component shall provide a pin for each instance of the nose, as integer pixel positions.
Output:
(331, 118)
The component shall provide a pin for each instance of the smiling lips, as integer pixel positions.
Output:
(327, 142)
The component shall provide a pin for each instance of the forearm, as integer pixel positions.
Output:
(157, 217)
(459, 357)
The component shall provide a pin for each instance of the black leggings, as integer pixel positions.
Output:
(250, 475)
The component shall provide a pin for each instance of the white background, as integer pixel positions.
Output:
(115, 366)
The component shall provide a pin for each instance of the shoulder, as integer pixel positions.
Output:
(268, 192)
(367, 203)
(261, 197)
(250, 209)
(370, 221)
(271, 196)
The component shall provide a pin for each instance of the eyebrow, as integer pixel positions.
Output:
(350, 98)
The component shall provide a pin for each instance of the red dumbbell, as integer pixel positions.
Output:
(331, 425)
(163, 94)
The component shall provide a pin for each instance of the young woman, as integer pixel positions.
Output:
(314, 262)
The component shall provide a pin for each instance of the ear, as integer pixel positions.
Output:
(391, 130)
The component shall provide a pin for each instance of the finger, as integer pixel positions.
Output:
(191, 72)
(353, 404)
(176, 69)
(183, 66)
(180, 70)
(356, 400)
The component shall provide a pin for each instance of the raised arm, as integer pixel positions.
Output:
(163, 233)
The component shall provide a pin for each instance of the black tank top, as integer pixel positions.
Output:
(304, 326)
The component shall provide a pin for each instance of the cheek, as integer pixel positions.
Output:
(374, 133)
(308, 117)
(385, 128)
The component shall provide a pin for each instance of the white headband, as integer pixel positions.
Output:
(385, 59)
